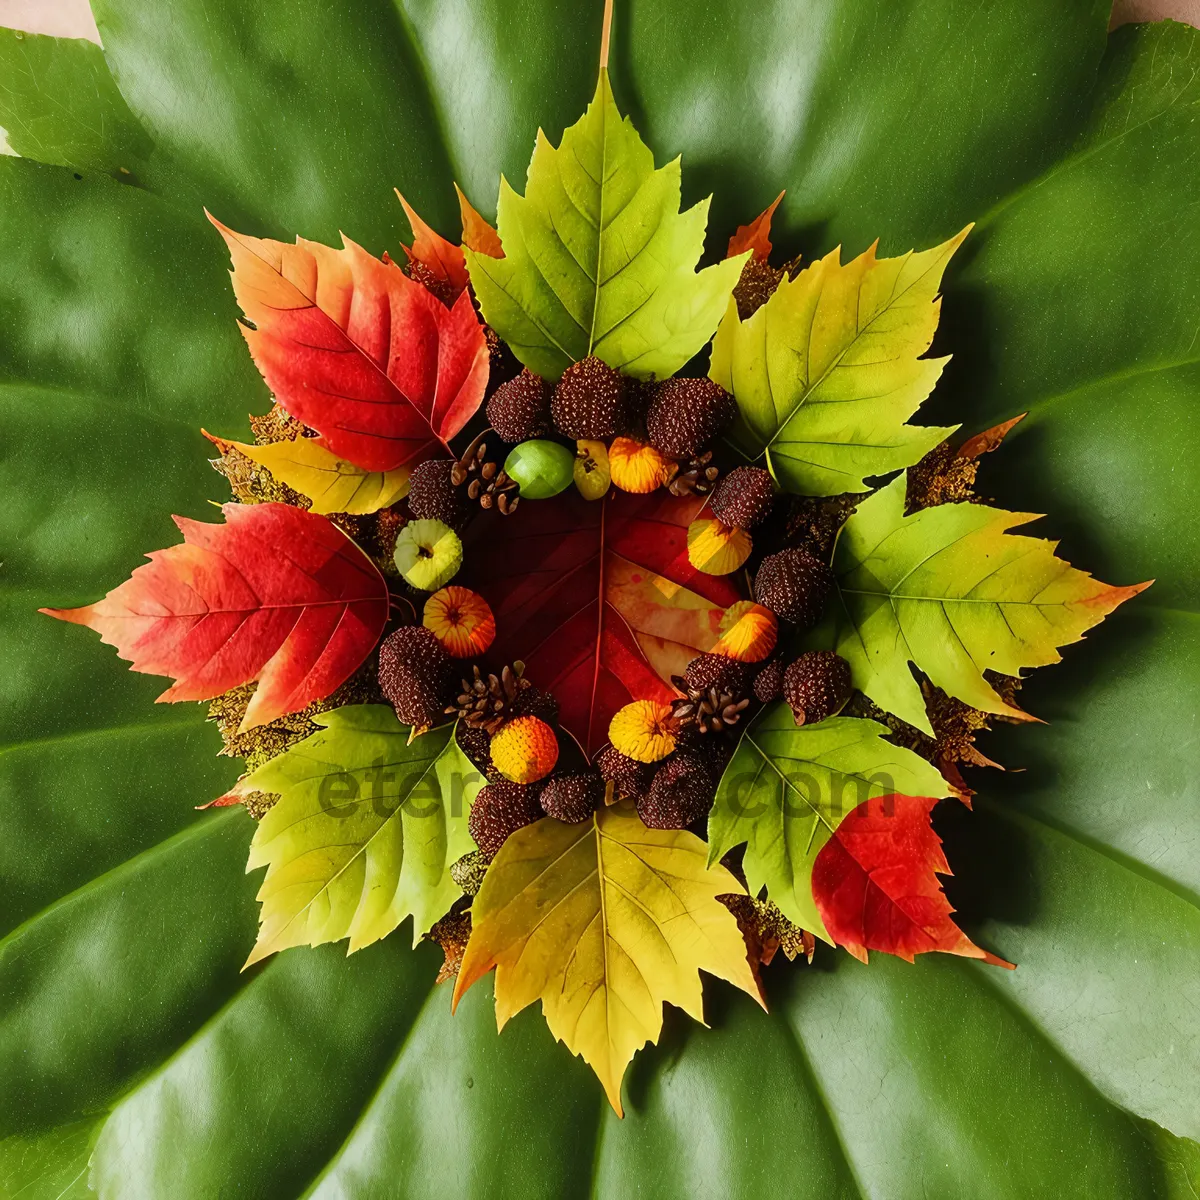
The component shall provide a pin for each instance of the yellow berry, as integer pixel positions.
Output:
(525, 750)
(748, 632)
(715, 548)
(643, 730)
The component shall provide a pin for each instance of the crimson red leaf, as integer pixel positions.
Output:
(875, 883)
(275, 594)
(599, 600)
(756, 236)
(351, 346)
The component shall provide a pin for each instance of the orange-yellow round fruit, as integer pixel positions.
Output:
(643, 730)
(716, 548)
(636, 467)
(525, 750)
(748, 632)
(461, 621)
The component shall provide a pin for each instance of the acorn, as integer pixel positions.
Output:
(432, 495)
(816, 686)
(573, 797)
(520, 409)
(415, 675)
(499, 810)
(744, 497)
(794, 586)
(681, 793)
(686, 414)
(589, 401)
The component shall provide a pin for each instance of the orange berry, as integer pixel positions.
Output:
(748, 632)
(643, 730)
(637, 467)
(715, 548)
(461, 621)
(525, 750)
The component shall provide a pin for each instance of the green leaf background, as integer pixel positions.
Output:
(129, 1038)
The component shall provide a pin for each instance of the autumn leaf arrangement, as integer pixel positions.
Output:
(603, 670)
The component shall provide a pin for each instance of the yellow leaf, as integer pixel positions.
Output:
(332, 484)
(603, 922)
(829, 370)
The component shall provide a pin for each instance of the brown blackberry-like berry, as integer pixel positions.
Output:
(415, 674)
(520, 408)
(816, 686)
(500, 809)
(715, 670)
(589, 401)
(432, 495)
(632, 778)
(533, 702)
(681, 793)
(794, 586)
(744, 497)
(573, 797)
(768, 683)
(476, 743)
(686, 414)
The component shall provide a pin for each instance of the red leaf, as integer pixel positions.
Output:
(429, 248)
(599, 600)
(351, 346)
(276, 594)
(875, 883)
(478, 235)
(756, 236)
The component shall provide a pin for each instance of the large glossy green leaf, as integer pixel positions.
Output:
(127, 1034)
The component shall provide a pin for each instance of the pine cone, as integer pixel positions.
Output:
(696, 477)
(707, 710)
(487, 701)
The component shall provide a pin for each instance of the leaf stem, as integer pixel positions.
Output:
(605, 31)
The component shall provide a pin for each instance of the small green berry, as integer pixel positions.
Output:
(541, 468)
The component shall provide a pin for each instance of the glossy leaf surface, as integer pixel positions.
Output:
(124, 1023)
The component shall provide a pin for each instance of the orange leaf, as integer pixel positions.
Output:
(875, 883)
(756, 236)
(478, 235)
(351, 346)
(444, 259)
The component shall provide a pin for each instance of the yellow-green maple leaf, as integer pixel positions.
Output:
(603, 922)
(332, 484)
(951, 590)
(828, 371)
(363, 833)
(598, 259)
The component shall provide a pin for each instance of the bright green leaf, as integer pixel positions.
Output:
(828, 371)
(59, 104)
(950, 590)
(788, 787)
(364, 833)
(598, 258)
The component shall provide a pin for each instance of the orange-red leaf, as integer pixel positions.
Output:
(351, 346)
(444, 259)
(756, 236)
(275, 594)
(478, 235)
(875, 883)
(599, 600)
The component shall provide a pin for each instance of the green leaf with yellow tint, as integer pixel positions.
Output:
(603, 922)
(951, 590)
(829, 370)
(364, 832)
(598, 259)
